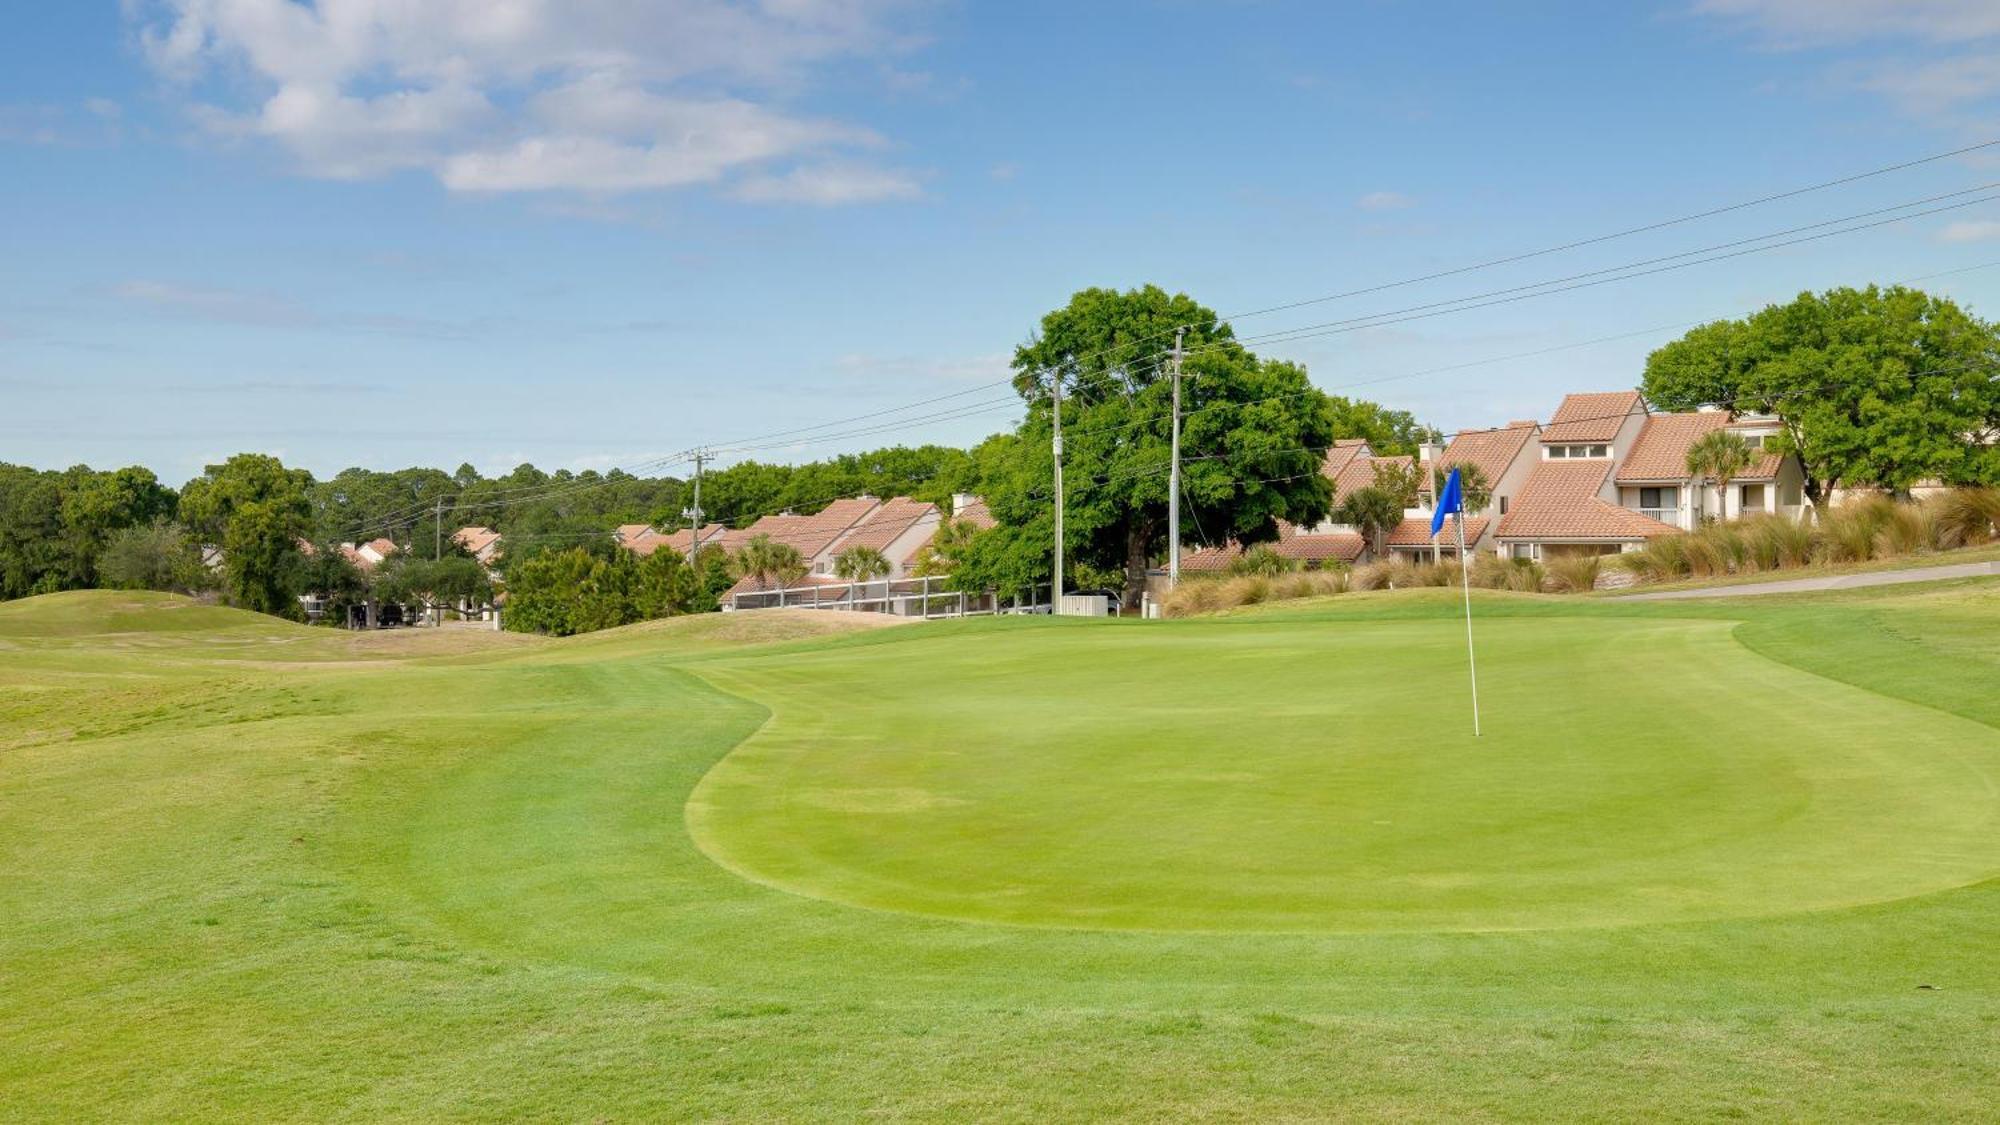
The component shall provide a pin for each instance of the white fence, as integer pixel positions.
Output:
(902, 597)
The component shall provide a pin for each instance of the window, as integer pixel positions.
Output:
(1503, 505)
(1562, 452)
(1655, 497)
(1600, 451)
(1753, 498)
(1558, 452)
(1523, 550)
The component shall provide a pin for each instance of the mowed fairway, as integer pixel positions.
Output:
(1723, 859)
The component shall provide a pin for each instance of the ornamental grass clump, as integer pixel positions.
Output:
(1851, 532)
(1661, 560)
(1906, 529)
(1965, 517)
(1778, 542)
(1573, 574)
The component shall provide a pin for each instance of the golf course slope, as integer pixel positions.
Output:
(1706, 859)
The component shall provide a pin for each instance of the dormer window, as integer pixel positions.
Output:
(1573, 452)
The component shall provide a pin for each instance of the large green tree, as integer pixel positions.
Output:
(257, 510)
(1253, 437)
(1882, 387)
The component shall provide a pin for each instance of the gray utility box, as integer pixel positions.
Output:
(1084, 605)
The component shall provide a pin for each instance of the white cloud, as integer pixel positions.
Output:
(589, 96)
(1930, 85)
(828, 185)
(1932, 58)
(1385, 201)
(1821, 23)
(225, 305)
(1971, 230)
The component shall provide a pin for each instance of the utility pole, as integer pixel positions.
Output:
(1055, 400)
(437, 549)
(1174, 477)
(694, 513)
(1437, 493)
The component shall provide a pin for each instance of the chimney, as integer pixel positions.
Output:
(960, 501)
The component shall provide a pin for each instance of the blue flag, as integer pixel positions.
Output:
(1453, 500)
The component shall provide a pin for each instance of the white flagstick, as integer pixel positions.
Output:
(1465, 572)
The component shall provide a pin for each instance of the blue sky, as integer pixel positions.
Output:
(586, 233)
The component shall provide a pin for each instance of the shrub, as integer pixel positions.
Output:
(1574, 573)
(1852, 531)
(1905, 529)
(1732, 547)
(1663, 559)
(1208, 595)
(1490, 572)
(1703, 557)
(1263, 560)
(1965, 517)
(1434, 574)
(1525, 576)
(1193, 596)
(1780, 542)
(156, 556)
(1374, 576)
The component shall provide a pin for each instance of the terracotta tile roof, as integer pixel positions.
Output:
(1661, 451)
(630, 533)
(1765, 467)
(475, 539)
(1592, 417)
(1358, 473)
(1416, 532)
(677, 541)
(977, 514)
(1338, 546)
(886, 523)
(1342, 454)
(1560, 502)
(1491, 450)
(809, 534)
(1208, 560)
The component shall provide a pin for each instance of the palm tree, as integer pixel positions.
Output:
(1372, 511)
(1719, 455)
(863, 565)
(1472, 484)
(771, 565)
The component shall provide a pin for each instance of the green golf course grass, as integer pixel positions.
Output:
(1708, 859)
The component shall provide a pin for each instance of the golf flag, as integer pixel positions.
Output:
(1452, 500)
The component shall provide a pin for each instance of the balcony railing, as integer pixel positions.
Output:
(1664, 515)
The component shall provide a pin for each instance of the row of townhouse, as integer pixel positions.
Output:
(898, 528)
(1604, 475)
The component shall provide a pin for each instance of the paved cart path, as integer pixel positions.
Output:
(1827, 582)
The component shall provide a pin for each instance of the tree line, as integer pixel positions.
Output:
(1872, 387)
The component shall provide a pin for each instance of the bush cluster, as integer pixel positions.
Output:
(575, 591)
(1204, 594)
(1876, 527)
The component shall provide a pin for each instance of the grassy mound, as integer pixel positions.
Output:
(87, 613)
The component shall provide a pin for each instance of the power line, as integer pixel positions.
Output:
(1573, 244)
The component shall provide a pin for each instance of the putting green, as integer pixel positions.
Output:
(1271, 776)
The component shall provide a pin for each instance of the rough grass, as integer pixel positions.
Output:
(1861, 531)
(431, 888)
